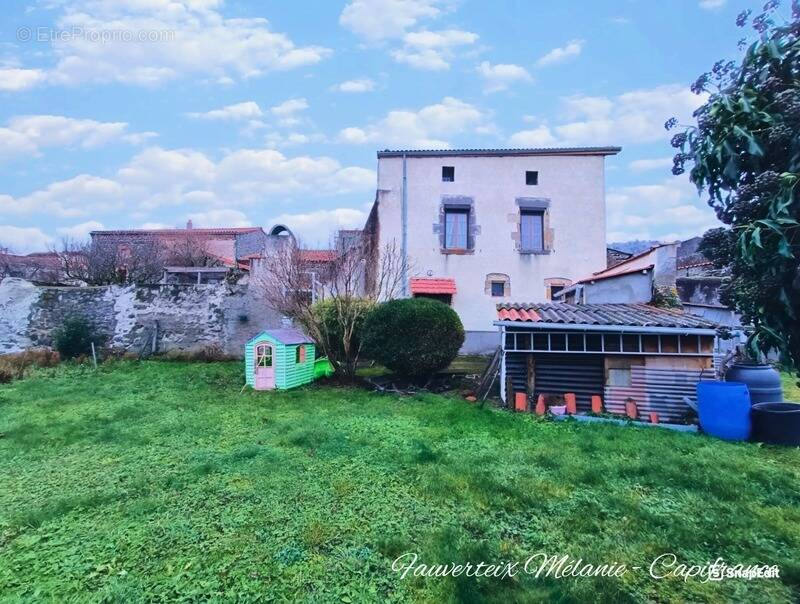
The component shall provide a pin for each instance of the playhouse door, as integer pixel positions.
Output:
(265, 369)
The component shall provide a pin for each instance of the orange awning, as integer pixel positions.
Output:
(433, 286)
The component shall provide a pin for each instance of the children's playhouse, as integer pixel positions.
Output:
(279, 358)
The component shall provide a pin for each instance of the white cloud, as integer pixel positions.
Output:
(712, 4)
(500, 76)
(375, 20)
(540, 136)
(316, 228)
(632, 117)
(354, 86)
(21, 240)
(156, 178)
(572, 49)
(428, 128)
(14, 79)
(247, 110)
(163, 41)
(289, 107)
(643, 165)
(28, 134)
(81, 231)
(432, 50)
(668, 210)
(220, 218)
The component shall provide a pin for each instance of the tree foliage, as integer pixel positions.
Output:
(744, 153)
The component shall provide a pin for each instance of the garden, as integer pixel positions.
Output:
(164, 480)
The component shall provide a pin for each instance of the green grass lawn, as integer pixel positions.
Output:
(160, 481)
(791, 391)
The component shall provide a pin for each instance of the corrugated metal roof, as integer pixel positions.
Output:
(636, 315)
(289, 336)
(433, 286)
(499, 152)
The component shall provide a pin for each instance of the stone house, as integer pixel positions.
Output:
(479, 227)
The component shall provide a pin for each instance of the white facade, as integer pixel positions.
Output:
(570, 192)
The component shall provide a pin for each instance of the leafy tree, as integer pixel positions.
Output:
(744, 153)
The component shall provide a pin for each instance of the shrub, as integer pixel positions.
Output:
(338, 325)
(14, 366)
(74, 338)
(414, 337)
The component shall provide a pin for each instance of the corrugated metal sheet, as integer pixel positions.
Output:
(558, 374)
(659, 390)
(583, 375)
(637, 315)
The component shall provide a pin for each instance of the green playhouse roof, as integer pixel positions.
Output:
(287, 336)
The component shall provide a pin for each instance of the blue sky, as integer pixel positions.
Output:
(130, 113)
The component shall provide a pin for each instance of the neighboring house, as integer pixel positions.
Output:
(478, 227)
(191, 246)
(654, 356)
(663, 266)
(629, 281)
(43, 268)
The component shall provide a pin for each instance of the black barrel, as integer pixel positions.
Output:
(776, 423)
(763, 382)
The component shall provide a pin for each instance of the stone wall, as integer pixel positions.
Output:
(185, 318)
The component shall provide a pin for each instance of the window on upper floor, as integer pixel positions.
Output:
(498, 289)
(531, 177)
(456, 228)
(448, 173)
(531, 229)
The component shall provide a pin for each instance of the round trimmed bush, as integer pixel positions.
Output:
(413, 337)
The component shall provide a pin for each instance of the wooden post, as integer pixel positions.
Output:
(572, 406)
(531, 377)
(597, 404)
(520, 401)
(509, 393)
(630, 409)
(94, 355)
(540, 406)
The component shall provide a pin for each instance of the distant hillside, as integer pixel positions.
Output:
(633, 247)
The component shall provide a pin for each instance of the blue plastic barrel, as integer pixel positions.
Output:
(724, 409)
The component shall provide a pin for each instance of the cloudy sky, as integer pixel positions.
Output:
(131, 113)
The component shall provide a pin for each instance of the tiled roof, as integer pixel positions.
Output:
(289, 336)
(499, 152)
(632, 315)
(433, 286)
(317, 255)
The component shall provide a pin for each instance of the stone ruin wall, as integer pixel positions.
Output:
(185, 318)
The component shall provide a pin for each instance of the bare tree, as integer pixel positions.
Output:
(190, 249)
(331, 299)
(107, 262)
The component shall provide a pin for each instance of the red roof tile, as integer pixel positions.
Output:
(433, 286)
(317, 255)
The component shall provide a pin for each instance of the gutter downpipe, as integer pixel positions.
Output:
(404, 231)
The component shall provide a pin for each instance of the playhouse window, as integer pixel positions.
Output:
(300, 354)
(264, 356)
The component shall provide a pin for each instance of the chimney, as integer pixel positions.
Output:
(189, 225)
